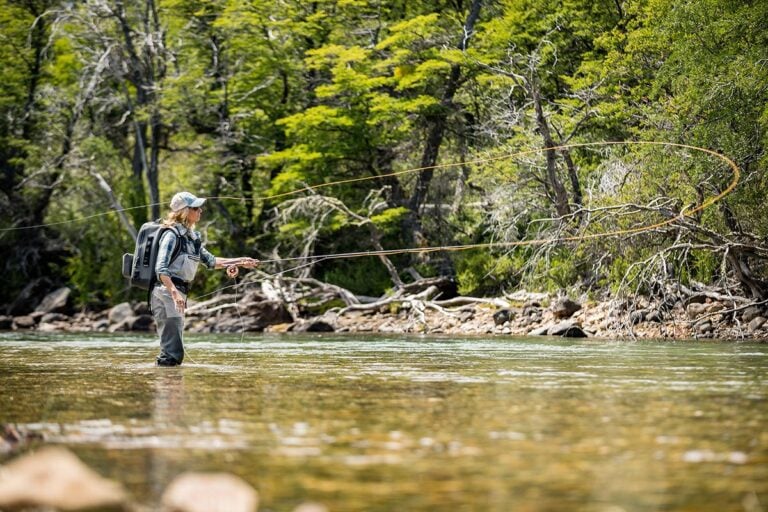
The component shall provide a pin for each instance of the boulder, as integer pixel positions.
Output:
(751, 313)
(123, 326)
(313, 326)
(100, 325)
(29, 297)
(567, 330)
(210, 492)
(502, 316)
(24, 322)
(120, 313)
(637, 317)
(55, 302)
(564, 308)
(655, 316)
(695, 310)
(268, 312)
(54, 317)
(54, 478)
(142, 323)
(311, 507)
(6, 322)
(541, 331)
(756, 323)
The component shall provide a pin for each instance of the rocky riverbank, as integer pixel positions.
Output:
(692, 316)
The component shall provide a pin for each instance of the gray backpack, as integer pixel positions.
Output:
(139, 267)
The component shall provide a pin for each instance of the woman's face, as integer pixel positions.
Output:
(194, 215)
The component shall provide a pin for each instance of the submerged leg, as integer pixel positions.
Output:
(170, 328)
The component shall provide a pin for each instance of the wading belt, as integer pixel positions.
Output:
(183, 286)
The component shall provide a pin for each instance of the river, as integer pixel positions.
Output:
(383, 423)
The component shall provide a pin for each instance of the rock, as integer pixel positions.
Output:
(29, 297)
(54, 478)
(120, 313)
(715, 306)
(279, 328)
(55, 302)
(311, 507)
(50, 327)
(696, 299)
(655, 316)
(704, 327)
(210, 492)
(268, 312)
(54, 317)
(695, 310)
(756, 323)
(100, 325)
(24, 322)
(122, 326)
(502, 316)
(751, 313)
(567, 330)
(637, 317)
(564, 308)
(541, 331)
(313, 326)
(142, 308)
(531, 310)
(6, 322)
(142, 323)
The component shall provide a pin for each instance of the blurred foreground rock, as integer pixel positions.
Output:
(210, 492)
(54, 478)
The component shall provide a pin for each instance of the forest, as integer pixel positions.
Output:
(332, 127)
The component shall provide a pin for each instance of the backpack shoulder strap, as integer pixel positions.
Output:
(177, 247)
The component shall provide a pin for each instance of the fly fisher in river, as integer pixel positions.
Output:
(179, 253)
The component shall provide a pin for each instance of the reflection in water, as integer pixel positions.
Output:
(169, 397)
(416, 424)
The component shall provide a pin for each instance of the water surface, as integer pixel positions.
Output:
(408, 423)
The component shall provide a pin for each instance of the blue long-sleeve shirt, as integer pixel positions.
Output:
(168, 244)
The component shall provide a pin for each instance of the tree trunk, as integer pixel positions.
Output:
(573, 176)
(739, 262)
(436, 132)
(559, 194)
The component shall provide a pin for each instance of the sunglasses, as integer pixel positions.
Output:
(196, 208)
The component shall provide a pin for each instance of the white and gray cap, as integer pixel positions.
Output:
(184, 200)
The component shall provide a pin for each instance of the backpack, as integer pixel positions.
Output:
(139, 267)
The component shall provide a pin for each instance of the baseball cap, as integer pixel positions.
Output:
(185, 199)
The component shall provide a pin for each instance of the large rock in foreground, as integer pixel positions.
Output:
(210, 492)
(54, 478)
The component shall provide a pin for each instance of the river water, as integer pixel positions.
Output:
(402, 423)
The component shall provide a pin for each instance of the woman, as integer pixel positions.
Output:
(179, 254)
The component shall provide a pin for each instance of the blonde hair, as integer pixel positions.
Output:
(180, 217)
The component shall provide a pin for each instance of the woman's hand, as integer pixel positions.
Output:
(178, 300)
(248, 262)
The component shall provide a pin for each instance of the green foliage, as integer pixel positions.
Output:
(389, 220)
(365, 276)
(256, 100)
(482, 273)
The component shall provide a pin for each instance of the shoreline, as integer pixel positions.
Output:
(700, 316)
